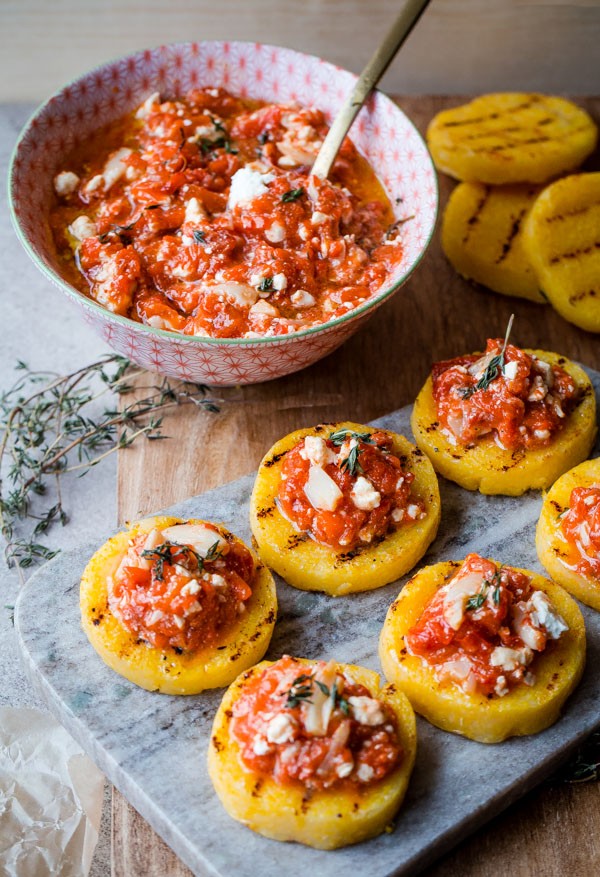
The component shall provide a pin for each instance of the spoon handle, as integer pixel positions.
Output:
(366, 82)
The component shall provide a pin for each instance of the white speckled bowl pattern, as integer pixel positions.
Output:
(381, 132)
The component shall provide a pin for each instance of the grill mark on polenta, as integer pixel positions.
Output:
(514, 231)
(265, 511)
(579, 211)
(575, 254)
(295, 540)
(579, 296)
(473, 120)
(274, 459)
(257, 787)
(475, 217)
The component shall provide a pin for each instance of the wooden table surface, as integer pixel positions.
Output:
(555, 829)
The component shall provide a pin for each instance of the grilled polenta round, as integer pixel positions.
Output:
(482, 237)
(524, 709)
(511, 138)
(553, 549)
(561, 236)
(324, 819)
(486, 467)
(173, 670)
(309, 565)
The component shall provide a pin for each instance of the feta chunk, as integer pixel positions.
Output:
(149, 105)
(263, 308)
(302, 299)
(281, 729)
(315, 449)
(344, 769)
(364, 496)
(201, 538)
(114, 169)
(510, 659)
(239, 293)
(545, 615)
(365, 773)
(65, 183)
(191, 587)
(321, 491)
(275, 233)
(318, 218)
(194, 211)
(246, 185)
(279, 282)
(367, 710)
(260, 746)
(510, 370)
(82, 227)
(459, 590)
(154, 616)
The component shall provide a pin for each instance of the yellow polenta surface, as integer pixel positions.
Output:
(306, 564)
(166, 670)
(325, 819)
(524, 710)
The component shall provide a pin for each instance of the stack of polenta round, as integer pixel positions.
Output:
(506, 225)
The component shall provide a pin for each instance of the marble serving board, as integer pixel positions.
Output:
(153, 747)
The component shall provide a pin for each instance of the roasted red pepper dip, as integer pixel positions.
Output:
(482, 630)
(199, 215)
(580, 525)
(347, 489)
(312, 725)
(517, 398)
(182, 587)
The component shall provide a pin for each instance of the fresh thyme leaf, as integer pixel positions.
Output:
(496, 595)
(476, 602)
(292, 195)
(199, 236)
(494, 368)
(214, 551)
(266, 284)
(323, 687)
(351, 462)
(262, 138)
(47, 431)
(300, 691)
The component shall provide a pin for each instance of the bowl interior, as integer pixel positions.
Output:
(382, 133)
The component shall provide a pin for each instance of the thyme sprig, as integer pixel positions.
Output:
(351, 462)
(48, 429)
(477, 600)
(494, 368)
(292, 195)
(168, 552)
(302, 690)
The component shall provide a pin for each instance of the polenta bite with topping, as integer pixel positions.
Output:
(177, 606)
(482, 649)
(568, 532)
(344, 507)
(312, 752)
(507, 420)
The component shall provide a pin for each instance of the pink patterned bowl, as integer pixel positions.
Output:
(382, 133)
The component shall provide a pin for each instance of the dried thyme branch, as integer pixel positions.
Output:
(48, 429)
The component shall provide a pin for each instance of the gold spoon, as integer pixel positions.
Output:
(368, 79)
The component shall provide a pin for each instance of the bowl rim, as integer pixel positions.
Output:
(164, 334)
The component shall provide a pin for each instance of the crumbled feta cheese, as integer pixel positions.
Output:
(510, 659)
(281, 729)
(149, 105)
(201, 538)
(344, 769)
(263, 309)
(246, 185)
(217, 581)
(315, 449)
(154, 616)
(191, 587)
(459, 590)
(397, 515)
(501, 688)
(302, 299)
(365, 773)
(364, 496)
(275, 233)
(413, 511)
(260, 746)
(367, 710)
(321, 491)
(541, 434)
(82, 227)
(179, 622)
(65, 183)
(546, 616)
(94, 184)
(194, 211)
(114, 169)
(239, 293)
(279, 282)
(510, 370)
(317, 218)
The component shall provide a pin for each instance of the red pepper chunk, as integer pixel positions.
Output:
(580, 525)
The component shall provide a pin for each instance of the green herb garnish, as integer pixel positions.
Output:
(494, 368)
(168, 551)
(266, 284)
(199, 236)
(351, 462)
(292, 195)
(474, 603)
(300, 691)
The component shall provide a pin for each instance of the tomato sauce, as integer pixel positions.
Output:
(481, 630)
(352, 742)
(580, 526)
(199, 215)
(370, 491)
(522, 402)
(170, 596)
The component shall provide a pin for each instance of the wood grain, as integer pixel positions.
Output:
(556, 829)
